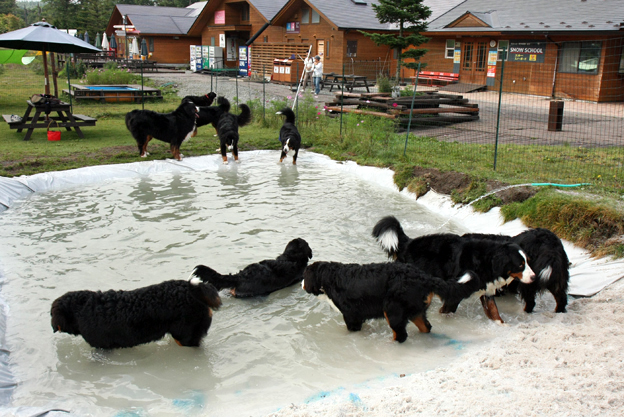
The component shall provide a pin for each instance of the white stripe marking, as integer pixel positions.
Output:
(389, 241)
(546, 273)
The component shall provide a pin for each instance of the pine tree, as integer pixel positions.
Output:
(410, 18)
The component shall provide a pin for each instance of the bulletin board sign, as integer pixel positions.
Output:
(292, 27)
(532, 52)
(219, 17)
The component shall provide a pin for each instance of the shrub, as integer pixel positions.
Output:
(383, 84)
(111, 76)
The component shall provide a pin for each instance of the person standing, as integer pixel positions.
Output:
(317, 74)
(307, 72)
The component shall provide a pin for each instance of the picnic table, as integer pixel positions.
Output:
(350, 81)
(41, 120)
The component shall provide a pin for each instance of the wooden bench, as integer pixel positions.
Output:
(437, 78)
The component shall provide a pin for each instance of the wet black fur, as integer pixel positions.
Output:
(205, 100)
(172, 128)
(543, 249)
(399, 291)
(449, 256)
(119, 319)
(289, 135)
(264, 277)
(228, 124)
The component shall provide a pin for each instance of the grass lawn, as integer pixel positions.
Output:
(366, 140)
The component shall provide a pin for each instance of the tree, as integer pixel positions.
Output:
(410, 17)
(7, 6)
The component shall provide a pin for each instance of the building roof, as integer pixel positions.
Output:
(534, 16)
(359, 14)
(162, 20)
(268, 8)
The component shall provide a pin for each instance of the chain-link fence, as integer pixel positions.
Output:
(500, 123)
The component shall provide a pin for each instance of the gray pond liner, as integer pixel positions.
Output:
(132, 225)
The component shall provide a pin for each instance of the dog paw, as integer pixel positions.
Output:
(225, 162)
(237, 161)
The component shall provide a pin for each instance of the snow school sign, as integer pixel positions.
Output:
(527, 51)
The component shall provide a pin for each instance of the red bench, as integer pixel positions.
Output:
(437, 78)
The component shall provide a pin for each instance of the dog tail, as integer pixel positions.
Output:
(290, 115)
(244, 118)
(129, 117)
(224, 104)
(203, 273)
(390, 236)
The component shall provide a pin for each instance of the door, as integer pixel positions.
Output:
(473, 65)
(320, 49)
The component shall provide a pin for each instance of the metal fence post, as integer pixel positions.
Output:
(500, 96)
(142, 90)
(341, 99)
(409, 123)
(263, 95)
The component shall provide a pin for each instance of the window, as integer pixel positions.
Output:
(150, 44)
(580, 57)
(316, 18)
(621, 70)
(212, 41)
(351, 49)
(245, 12)
(450, 48)
(305, 16)
(502, 54)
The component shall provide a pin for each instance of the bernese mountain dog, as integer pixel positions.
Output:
(205, 100)
(548, 258)
(448, 256)
(119, 319)
(264, 277)
(397, 291)
(289, 135)
(227, 127)
(173, 128)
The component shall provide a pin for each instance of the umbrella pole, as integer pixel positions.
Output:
(53, 68)
(45, 71)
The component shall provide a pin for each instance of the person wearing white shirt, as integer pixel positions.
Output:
(307, 72)
(317, 74)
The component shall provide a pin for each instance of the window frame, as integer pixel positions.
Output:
(574, 54)
(314, 15)
(447, 49)
(305, 15)
(351, 53)
(499, 50)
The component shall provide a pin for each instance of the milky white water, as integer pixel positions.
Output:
(260, 354)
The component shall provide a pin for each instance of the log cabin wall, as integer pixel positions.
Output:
(543, 79)
(169, 50)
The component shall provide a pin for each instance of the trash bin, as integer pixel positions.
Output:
(555, 116)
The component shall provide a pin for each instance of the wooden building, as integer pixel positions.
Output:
(165, 30)
(571, 49)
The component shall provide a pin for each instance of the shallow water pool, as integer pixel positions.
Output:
(260, 354)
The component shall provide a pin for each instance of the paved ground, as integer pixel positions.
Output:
(524, 119)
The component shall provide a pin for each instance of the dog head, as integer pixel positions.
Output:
(509, 260)
(298, 250)
(313, 278)
(63, 319)
(211, 96)
(190, 109)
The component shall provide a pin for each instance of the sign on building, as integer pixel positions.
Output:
(527, 51)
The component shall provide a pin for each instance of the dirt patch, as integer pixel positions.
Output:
(445, 182)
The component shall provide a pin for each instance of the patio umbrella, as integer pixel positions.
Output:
(44, 37)
(134, 49)
(105, 45)
(143, 47)
(98, 40)
(113, 44)
(86, 37)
